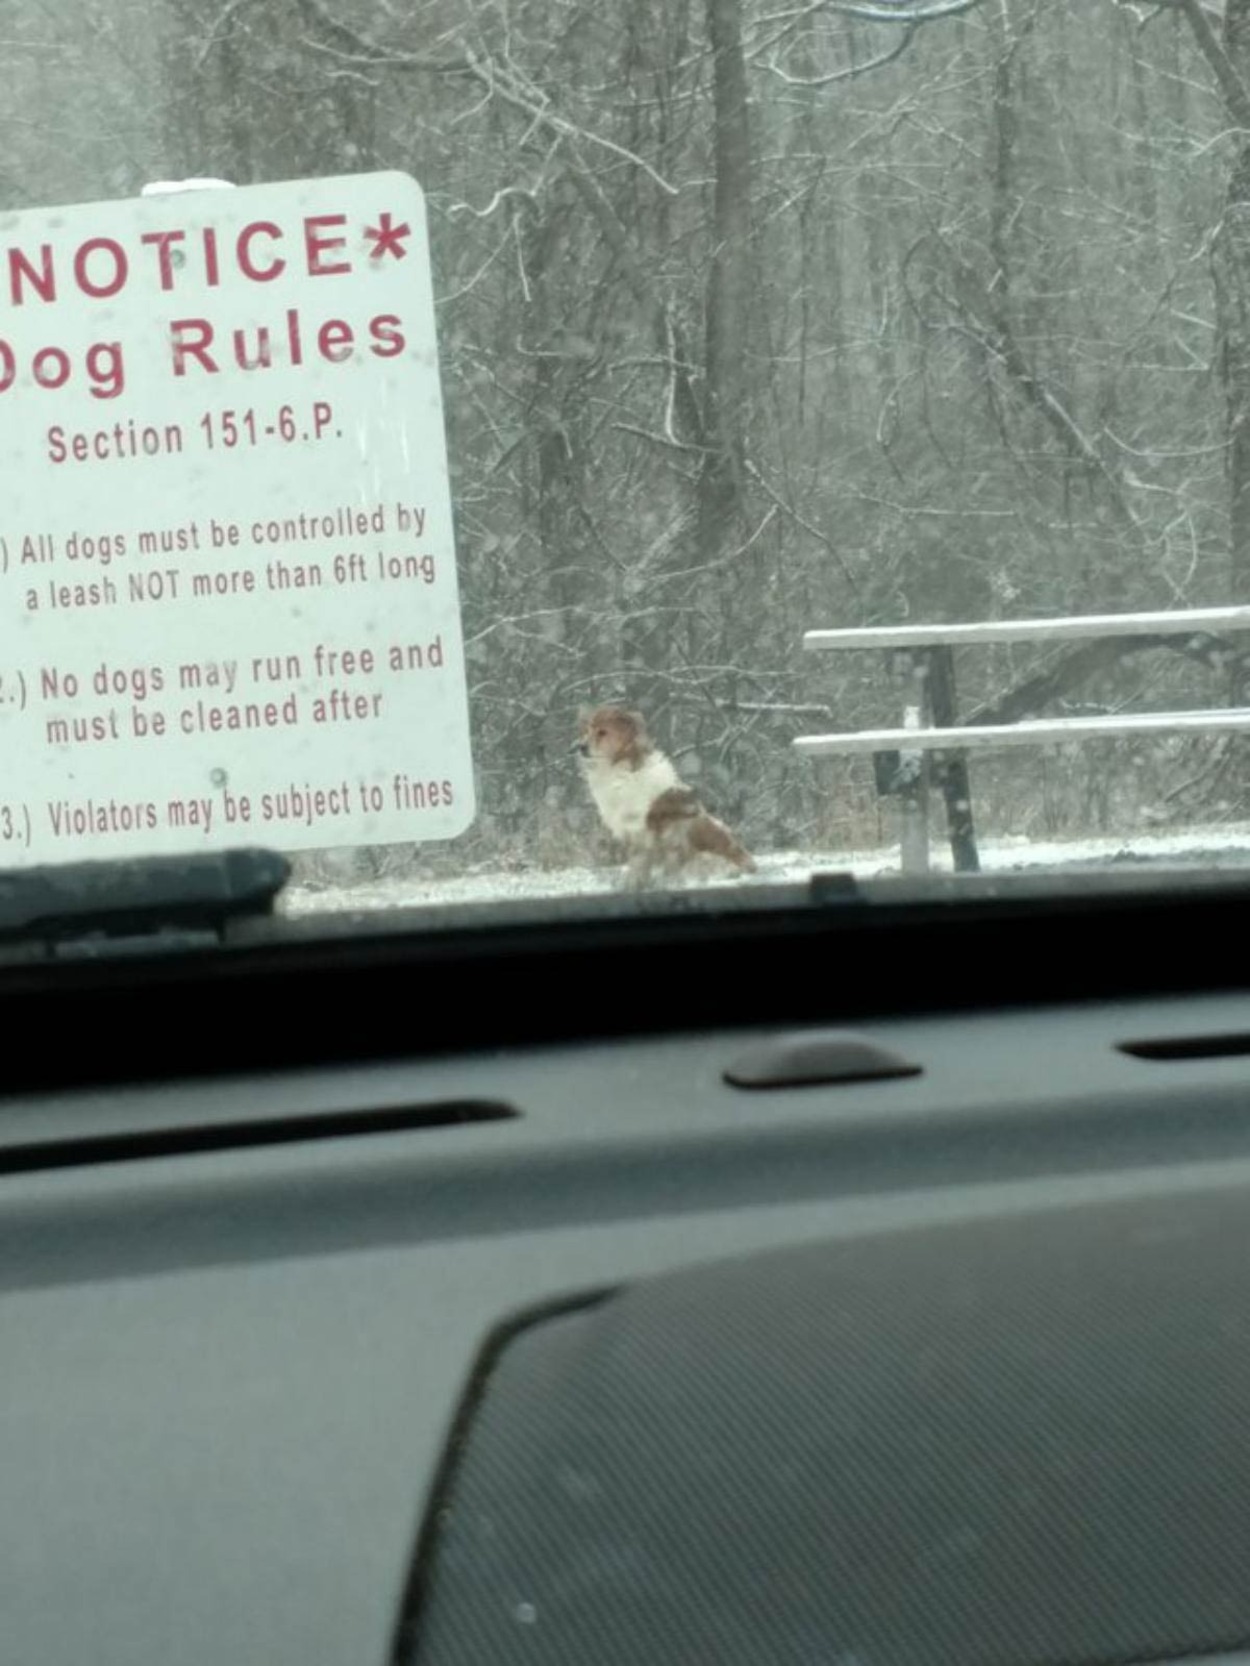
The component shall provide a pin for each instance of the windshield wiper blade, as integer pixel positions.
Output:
(158, 903)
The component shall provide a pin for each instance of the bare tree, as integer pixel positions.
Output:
(757, 315)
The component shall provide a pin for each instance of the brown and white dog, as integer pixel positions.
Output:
(646, 806)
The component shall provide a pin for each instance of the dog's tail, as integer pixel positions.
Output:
(738, 854)
(707, 836)
(713, 836)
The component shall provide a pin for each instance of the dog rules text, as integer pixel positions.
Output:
(229, 607)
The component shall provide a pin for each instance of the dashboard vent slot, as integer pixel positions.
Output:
(1179, 1048)
(198, 1138)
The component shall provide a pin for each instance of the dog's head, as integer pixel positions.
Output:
(611, 735)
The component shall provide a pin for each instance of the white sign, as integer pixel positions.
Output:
(229, 611)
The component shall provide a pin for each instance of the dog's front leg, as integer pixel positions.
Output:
(638, 869)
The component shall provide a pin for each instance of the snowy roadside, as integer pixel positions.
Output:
(1223, 847)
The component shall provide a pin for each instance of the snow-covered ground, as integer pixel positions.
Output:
(1223, 847)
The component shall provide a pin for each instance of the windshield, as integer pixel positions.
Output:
(509, 450)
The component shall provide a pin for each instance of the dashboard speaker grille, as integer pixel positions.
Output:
(1011, 1443)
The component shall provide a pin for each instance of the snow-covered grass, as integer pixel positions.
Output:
(1222, 847)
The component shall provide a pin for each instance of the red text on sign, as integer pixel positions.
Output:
(102, 268)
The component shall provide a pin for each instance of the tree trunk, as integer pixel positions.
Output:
(722, 483)
(1232, 279)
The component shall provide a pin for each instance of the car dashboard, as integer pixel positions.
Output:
(757, 1289)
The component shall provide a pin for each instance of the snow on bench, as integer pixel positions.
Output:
(1029, 732)
(1202, 621)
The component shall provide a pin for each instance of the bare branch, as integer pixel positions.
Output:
(1077, 666)
(537, 106)
(982, 323)
(1236, 96)
(908, 15)
(217, 30)
(351, 44)
(815, 532)
(849, 74)
(484, 213)
(907, 12)
(355, 46)
(658, 439)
